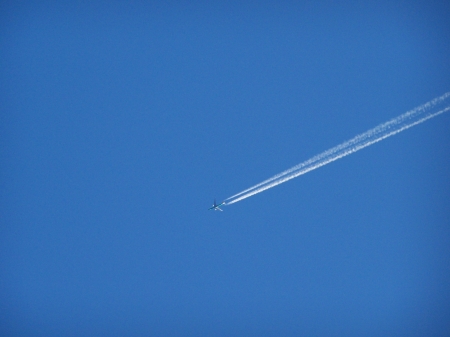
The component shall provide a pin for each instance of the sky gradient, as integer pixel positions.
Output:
(121, 123)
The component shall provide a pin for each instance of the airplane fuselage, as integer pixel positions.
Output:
(215, 207)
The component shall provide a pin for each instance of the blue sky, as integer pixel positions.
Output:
(122, 122)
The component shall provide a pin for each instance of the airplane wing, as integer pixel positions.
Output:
(219, 209)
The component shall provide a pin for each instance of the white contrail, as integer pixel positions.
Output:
(416, 116)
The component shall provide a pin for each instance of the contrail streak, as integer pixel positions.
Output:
(414, 117)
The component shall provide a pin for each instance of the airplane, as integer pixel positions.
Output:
(215, 207)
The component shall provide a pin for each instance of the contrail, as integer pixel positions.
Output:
(414, 117)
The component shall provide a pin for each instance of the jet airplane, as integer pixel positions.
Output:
(215, 207)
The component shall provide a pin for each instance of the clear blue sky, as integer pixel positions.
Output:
(120, 123)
